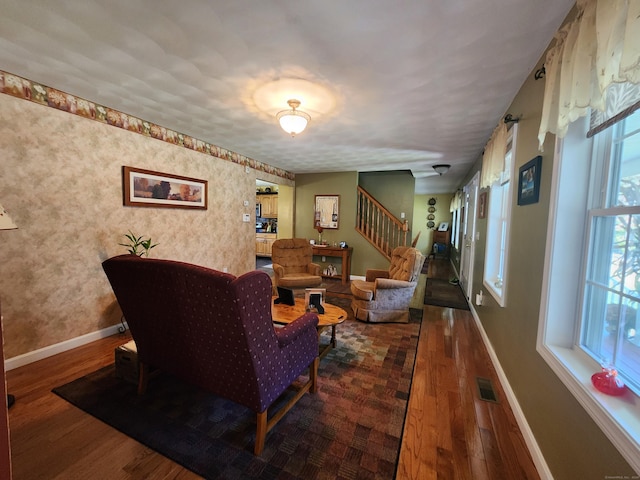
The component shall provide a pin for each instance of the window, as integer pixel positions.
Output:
(611, 291)
(498, 215)
(455, 228)
(591, 292)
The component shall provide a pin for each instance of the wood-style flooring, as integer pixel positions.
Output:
(450, 433)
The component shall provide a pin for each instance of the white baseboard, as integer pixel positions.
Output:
(51, 350)
(529, 438)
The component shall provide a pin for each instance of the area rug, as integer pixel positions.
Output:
(441, 293)
(351, 428)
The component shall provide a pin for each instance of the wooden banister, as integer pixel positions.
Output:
(378, 225)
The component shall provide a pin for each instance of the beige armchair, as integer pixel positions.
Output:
(385, 295)
(292, 264)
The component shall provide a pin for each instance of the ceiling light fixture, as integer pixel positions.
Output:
(293, 121)
(441, 169)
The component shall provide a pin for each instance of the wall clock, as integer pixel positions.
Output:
(432, 209)
(431, 217)
(432, 201)
(431, 224)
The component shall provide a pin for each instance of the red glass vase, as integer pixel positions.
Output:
(607, 381)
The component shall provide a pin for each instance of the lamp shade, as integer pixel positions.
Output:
(440, 169)
(293, 121)
(5, 220)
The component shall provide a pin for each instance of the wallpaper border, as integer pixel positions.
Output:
(26, 89)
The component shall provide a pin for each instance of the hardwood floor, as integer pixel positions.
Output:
(449, 433)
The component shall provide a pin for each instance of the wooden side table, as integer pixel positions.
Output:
(344, 253)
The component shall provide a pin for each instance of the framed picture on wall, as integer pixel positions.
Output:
(529, 181)
(482, 205)
(145, 188)
(327, 211)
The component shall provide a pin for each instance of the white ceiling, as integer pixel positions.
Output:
(395, 84)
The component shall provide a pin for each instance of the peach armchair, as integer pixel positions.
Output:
(292, 264)
(385, 295)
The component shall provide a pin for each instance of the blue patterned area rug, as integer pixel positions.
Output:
(350, 429)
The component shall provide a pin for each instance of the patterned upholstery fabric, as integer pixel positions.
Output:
(385, 295)
(211, 329)
(292, 263)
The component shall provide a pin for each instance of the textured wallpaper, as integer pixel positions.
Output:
(61, 181)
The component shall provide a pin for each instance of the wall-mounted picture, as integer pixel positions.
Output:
(482, 205)
(145, 188)
(327, 213)
(529, 181)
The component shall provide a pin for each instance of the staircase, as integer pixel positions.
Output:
(374, 222)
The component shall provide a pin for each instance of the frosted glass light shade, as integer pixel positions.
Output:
(293, 121)
(440, 169)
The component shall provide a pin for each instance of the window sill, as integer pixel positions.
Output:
(617, 417)
(496, 293)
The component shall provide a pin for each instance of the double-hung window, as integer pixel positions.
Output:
(611, 285)
(590, 312)
(498, 219)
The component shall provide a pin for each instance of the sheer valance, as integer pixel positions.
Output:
(493, 157)
(456, 201)
(600, 47)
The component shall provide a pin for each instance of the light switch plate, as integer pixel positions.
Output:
(246, 217)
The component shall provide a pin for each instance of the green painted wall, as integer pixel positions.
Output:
(420, 214)
(571, 443)
(344, 184)
(395, 190)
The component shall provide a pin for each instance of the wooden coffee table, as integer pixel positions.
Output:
(332, 317)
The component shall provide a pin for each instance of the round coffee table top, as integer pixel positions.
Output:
(282, 313)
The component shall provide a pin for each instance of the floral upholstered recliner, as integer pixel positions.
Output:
(385, 295)
(214, 330)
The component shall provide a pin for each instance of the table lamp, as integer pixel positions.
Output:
(7, 224)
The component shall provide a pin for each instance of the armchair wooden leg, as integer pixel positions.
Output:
(313, 374)
(261, 432)
(143, 378)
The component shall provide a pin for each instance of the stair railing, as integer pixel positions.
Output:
(382, 229)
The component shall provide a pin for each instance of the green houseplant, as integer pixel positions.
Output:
(138, 245)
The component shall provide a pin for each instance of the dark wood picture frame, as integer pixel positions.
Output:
(327, 212)
(529, 181)
(146, 188)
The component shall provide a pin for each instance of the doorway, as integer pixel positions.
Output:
(467, 254)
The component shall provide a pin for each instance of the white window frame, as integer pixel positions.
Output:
(496, 259)
(455, 228)
(561, 300)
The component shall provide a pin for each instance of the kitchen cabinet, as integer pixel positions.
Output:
(264, 242)
(269, 205)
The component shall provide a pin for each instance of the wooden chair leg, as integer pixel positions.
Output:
(143, 378)
(313, 374)
(261, 432)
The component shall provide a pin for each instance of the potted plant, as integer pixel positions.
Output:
(138, 245)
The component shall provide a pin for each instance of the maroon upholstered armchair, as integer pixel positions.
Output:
(214, 330)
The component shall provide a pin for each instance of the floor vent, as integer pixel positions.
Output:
(485, 389)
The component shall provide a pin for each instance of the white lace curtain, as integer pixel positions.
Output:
(597, 49)
(493, 156)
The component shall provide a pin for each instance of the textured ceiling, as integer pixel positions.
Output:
(389, 85)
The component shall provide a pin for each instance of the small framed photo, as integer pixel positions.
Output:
(529, 181)
(314, 299)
